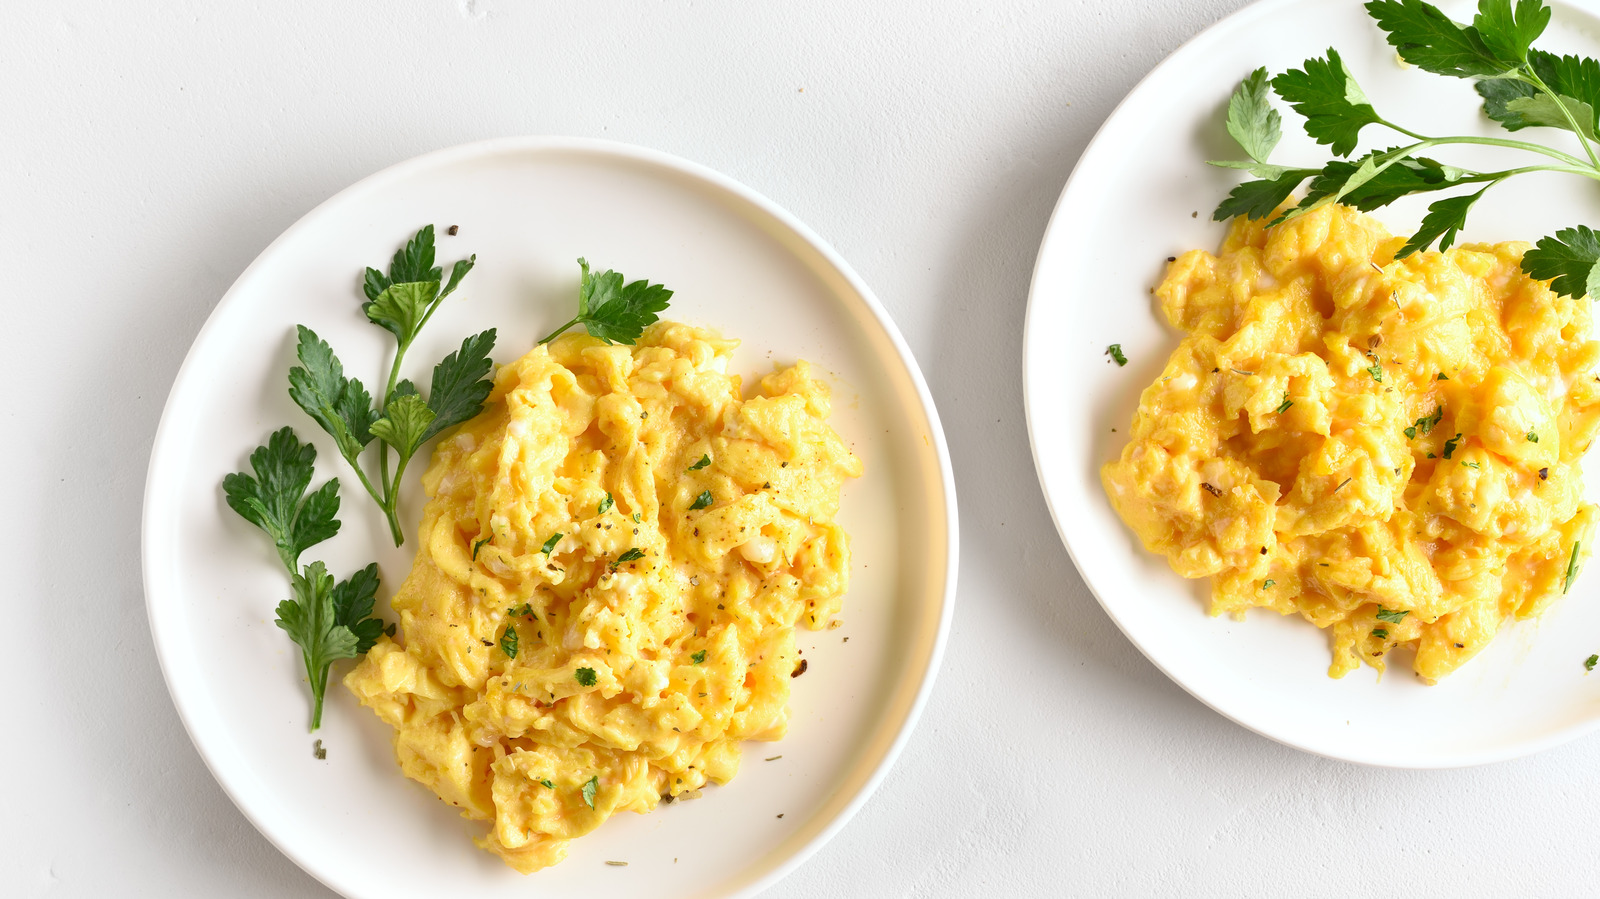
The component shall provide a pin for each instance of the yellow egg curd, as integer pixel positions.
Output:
(1388, 447)
(612, 560)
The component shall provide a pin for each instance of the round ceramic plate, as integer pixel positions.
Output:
(529, 208)
(1142, 193)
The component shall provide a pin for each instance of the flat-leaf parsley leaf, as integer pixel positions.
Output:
(274, 499)
(614, 311)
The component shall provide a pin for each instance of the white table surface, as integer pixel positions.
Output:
(149, 151)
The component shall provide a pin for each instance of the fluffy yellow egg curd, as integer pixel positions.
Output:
(612, 560)
(1389, 448)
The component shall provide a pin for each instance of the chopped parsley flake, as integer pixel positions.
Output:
(1376, 370)
(550, 545)
(1572, 567)
(1532, 437)
(701, 501)
(1381, 633)
(1392, 617)
(631, 555)
(547, 783)
(1268, 583)
(1451, 444)
(477, 545)
(1441, 377)
(585, 677)
(524, 610)
(589, 788)
(704, 461)
(1425, 424)
(1590, 662)
(605, 505)
(698, 657)
(1472, 465)
(1115, 352)
(508, 641)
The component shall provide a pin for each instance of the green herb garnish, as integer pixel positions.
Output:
(550, 544)
(605, 505)
(1269, 582)
(1115, 352)
(698, 657)
(1521, 87)
(1590, 662)
(327, 621)
(589, 788)
(1381, 633)
(477, 545)
(1532, 437)
(523, 611)
(704, 461)
(585, 677)
(631, 555)
(547, 783)
(401, 303)
(1451, 444)
(1426, 424)
(1394, 617)
(613, 311)
(508, 641)
(1284, 407)
(273, 498)
(1572, 567)
(1376, 370)
(701, 501)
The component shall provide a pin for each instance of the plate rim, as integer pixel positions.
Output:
(154, 504)
(1098, 146)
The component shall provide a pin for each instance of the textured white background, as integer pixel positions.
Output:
(148, 152)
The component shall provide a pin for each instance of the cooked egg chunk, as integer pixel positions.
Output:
(1388, 447)
(612, 560)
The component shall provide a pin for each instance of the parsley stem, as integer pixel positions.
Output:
(1430, 142)
(384, 501)
(318, 686)
(1406, 131)
(1581, 170)
(559, 331)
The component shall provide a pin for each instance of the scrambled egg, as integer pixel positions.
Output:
(613, 558)
(1389, 448)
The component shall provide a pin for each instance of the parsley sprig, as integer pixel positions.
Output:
(1522, 87)
(327, 621)
(401, 302)
(614, 309)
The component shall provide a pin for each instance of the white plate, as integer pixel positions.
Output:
(529, 207)
(1142, 193)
